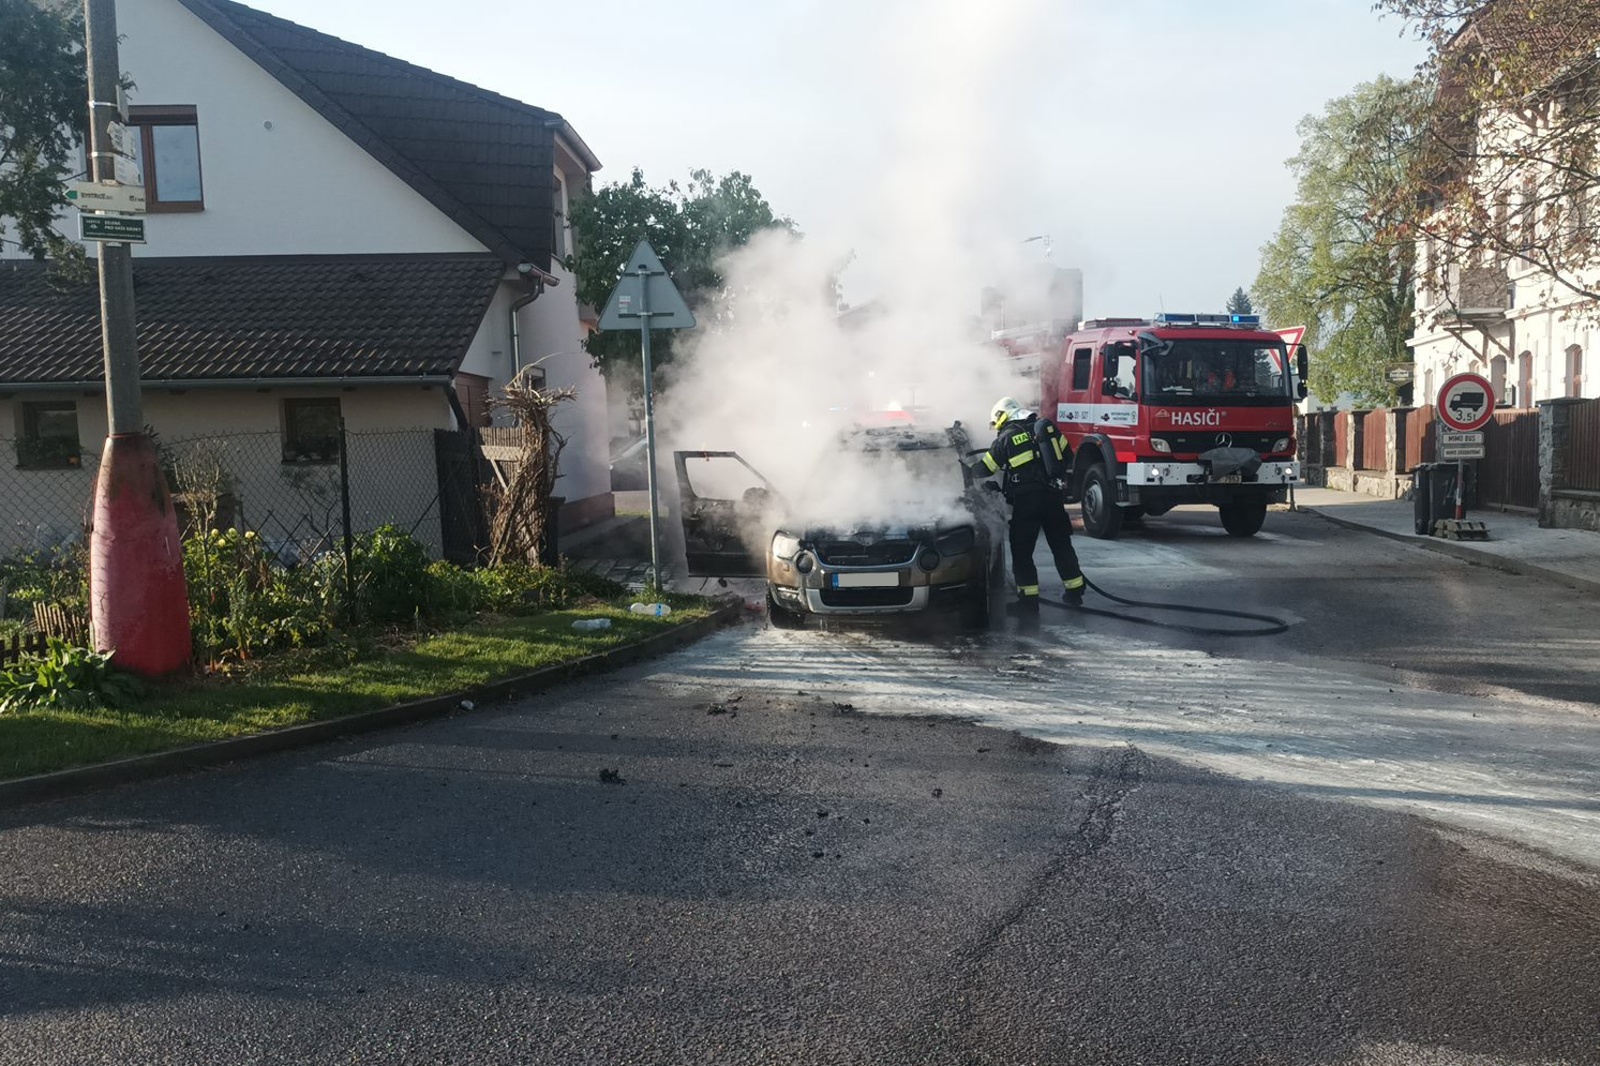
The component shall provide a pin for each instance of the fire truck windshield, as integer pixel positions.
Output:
(1185, 370)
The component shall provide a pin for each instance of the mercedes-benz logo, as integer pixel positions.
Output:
(1224, 440)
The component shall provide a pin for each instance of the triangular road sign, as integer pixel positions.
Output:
(645, 289)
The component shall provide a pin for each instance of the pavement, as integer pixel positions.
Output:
(1516, 542)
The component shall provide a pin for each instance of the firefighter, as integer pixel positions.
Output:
(1031, 456)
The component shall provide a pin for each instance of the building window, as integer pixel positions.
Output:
(563, 227)
(1575, 371)
(1525, 379)
(1497, 379)
(167, 147)
(1080, 368)
(49, 437)
(311, 431)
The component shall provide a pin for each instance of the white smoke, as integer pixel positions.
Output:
(779, 372)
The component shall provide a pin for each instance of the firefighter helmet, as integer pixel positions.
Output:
(1005, 410)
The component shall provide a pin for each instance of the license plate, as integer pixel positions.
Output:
(866, 581)
(1229, 479)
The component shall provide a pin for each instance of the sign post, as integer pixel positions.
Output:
(1465, 406)
(646, 299)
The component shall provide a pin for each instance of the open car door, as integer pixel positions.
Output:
(728, 512)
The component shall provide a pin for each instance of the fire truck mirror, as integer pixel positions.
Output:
(1302, 363)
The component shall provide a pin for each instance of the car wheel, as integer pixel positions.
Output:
(1243, 517)
(782, 617)
(1102, 518)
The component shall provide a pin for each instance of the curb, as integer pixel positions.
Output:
(61, 783)
(1444, 547)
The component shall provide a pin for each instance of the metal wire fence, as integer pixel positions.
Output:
(296, 503)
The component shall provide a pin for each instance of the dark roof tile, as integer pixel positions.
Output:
(439, 135)
(255, 317)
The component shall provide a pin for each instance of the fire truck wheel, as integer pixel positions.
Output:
(781, 617)
(1243, 518)
(1102, 518)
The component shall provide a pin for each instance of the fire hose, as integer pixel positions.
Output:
(1273, 625)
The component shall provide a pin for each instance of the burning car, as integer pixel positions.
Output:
(893, 523)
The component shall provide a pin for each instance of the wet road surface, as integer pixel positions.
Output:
(1188, 851)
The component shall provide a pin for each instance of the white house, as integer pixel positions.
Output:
(1488, 309)
(332, 232)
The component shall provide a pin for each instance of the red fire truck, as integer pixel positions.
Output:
(1177, 409)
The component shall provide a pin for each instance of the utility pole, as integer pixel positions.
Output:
(139, 602)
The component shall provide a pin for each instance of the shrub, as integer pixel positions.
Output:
(516, 588)
(67, 678)
(452, 591)
(242, 603)
(391, 575)
(56, 575)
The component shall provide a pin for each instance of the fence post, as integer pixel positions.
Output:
(1555, 419)
(349, 539)
(1394, 441)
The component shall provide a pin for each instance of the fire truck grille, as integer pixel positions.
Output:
(1194, 443)
(858, 553)
(866, 597)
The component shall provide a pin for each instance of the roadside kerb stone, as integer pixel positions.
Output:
(79, 779)
(1465, 554)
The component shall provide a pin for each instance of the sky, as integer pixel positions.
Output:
(1145, 138)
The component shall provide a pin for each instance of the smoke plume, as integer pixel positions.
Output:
(782, 372)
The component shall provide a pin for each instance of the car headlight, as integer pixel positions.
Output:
(928, 560)
(1160, 445)
(785, 546)
(1281, 444)
(956, 542)
(805, 563)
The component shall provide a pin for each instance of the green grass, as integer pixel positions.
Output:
(318, 685)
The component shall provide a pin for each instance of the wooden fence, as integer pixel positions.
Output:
(1415, 435)
(1508, 474)
(1374, 440)
(1583, 448)
(21, 644)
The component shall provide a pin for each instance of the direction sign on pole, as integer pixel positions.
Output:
(645, 299)
(115, 229)
(1466, 403)
(93, 196)
(126, 171)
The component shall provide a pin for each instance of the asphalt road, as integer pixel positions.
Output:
(1186, 852)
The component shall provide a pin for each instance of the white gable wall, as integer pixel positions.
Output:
(298, 188)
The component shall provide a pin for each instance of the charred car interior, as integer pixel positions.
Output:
(892, 524)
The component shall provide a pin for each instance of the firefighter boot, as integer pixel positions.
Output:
(1026, 609)
(1073, 597)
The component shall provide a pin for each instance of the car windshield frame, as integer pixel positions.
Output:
(1207, 371)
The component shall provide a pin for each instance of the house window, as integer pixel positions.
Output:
(49, 437)
(1080, 368)
(311, 431)
(1575, 371)
(1497, 379)
(1525, 379)
(167, 148)
(563, 227)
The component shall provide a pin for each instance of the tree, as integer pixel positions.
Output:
(690, 226)
(1239, 303)
(1342, 262)
(1508, 173)
(43, 117)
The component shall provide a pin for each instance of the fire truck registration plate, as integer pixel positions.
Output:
(1228, 479)
(866, 581)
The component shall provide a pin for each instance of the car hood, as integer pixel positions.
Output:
(814, 531)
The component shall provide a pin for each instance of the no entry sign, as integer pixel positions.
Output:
(1466, 402)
